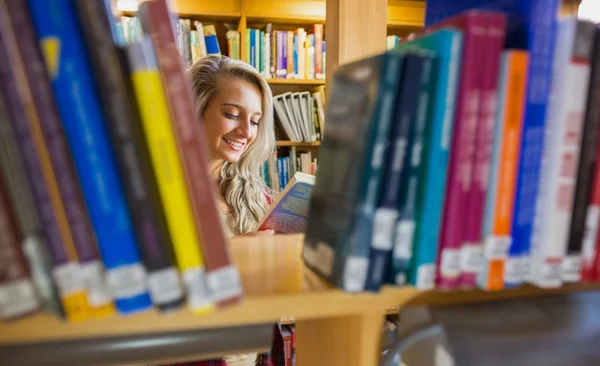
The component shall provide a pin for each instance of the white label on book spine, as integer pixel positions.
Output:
(95, 283)
(384, 226)
(588, 247)
(471, 258)
(426, 276)
(404, 237)
(496, 247)
(450, 263)
(571, 268)
(68, 278)
(164, 286)
(323, 259)
(17, 298)
(32, 246)
(199, 295)
(513, 271)
(127, 281)
(550, 276)
(355, 274)
(400, 279)
(224, 283)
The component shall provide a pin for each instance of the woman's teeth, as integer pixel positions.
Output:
(234, 144)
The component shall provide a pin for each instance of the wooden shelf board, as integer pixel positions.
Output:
(297, 144)
(296, 81)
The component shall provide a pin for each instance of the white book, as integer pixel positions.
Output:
(201, 41)
(282, 116)
(301, 53)
(560, 158)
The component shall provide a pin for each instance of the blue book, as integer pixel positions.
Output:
(359, 117)
(266, 174)
(531, 26)
(289, 213)
(253, 48)
(57, 30)
(295, 55)
(286, 170)
(447, 45)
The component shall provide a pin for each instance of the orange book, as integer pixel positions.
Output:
(503, 168)
(290, 55)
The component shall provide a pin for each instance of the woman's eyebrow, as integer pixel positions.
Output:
(234, 105)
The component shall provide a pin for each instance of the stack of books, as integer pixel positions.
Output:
(299, 116)
(106, 202)
(464, 158)
(278, 171)
(286, 54)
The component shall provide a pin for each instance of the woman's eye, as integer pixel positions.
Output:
(231, 116)
(254, 123)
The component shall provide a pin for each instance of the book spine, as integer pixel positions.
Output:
(222, 276)
(17, 292)
(499, 203)
(461, 155)
(584, 220)
(563, 131)
(354, 272)
(52, 142)
(472, 247)
(290, 55)
(589, 248)
(167, 169)
(284, 55)
(319, 51)
(84, 128)
(273, 51)
(541, 31)
(247, 52)
(422, 267)
(19, 194)
(111, 71)
(22, 112)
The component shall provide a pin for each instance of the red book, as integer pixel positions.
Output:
(286, 335)
(462, 152)
(17, 292)
(472, 246)
(318, 32)
(222, 276)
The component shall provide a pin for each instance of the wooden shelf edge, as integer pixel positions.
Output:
(296, 81)
(297, 144)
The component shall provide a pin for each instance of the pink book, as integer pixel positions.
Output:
(471, 247)
(473, 24)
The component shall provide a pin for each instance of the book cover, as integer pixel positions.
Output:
(84, 126)
(221, 275)
(447, 44)
(211, 40)
(472, 246)
(17, 291)
(359, 117)
(51, 141)
(21, 112)
(499, 209)
(201, 38)
(289, 213)
(29, 223)
(589, 249)
(585, 218)
(560, 159)
(156, 126)
(460, 169)
(111, 75)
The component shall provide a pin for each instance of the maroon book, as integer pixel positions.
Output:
(222, 276)
(17, 293)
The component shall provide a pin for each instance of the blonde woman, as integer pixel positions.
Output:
(235, 105)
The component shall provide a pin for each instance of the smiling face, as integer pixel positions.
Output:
(231, 119)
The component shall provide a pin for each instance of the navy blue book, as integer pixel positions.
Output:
(360, 113)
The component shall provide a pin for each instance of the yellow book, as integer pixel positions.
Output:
(169, 175)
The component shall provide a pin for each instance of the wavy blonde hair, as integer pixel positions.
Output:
(241, 186)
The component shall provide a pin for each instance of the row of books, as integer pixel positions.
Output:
(105, 197)
(279, 170)
(192, 43)
(440, 170)
(300, 116)
(392, 42)
(286, 54)
(283, 349)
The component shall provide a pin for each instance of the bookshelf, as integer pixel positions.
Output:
(338, 327)
(296, 81)
(298, 144)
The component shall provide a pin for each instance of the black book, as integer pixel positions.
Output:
(108, 57)
(586, 169)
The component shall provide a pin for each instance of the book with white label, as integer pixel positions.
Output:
(560, 157)
(289, 213)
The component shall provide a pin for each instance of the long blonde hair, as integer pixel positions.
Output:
(239, 182)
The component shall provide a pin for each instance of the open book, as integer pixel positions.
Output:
(289, 212)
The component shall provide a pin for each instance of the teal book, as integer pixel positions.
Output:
(351, 162)
(447, 44)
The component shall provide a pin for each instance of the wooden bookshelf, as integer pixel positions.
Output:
(296, 81)
(298, 144)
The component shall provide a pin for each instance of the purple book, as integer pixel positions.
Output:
(460, 168)
(472, 248)
(282, 53)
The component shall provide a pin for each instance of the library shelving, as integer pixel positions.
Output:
(298, 144)
(333, 327)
